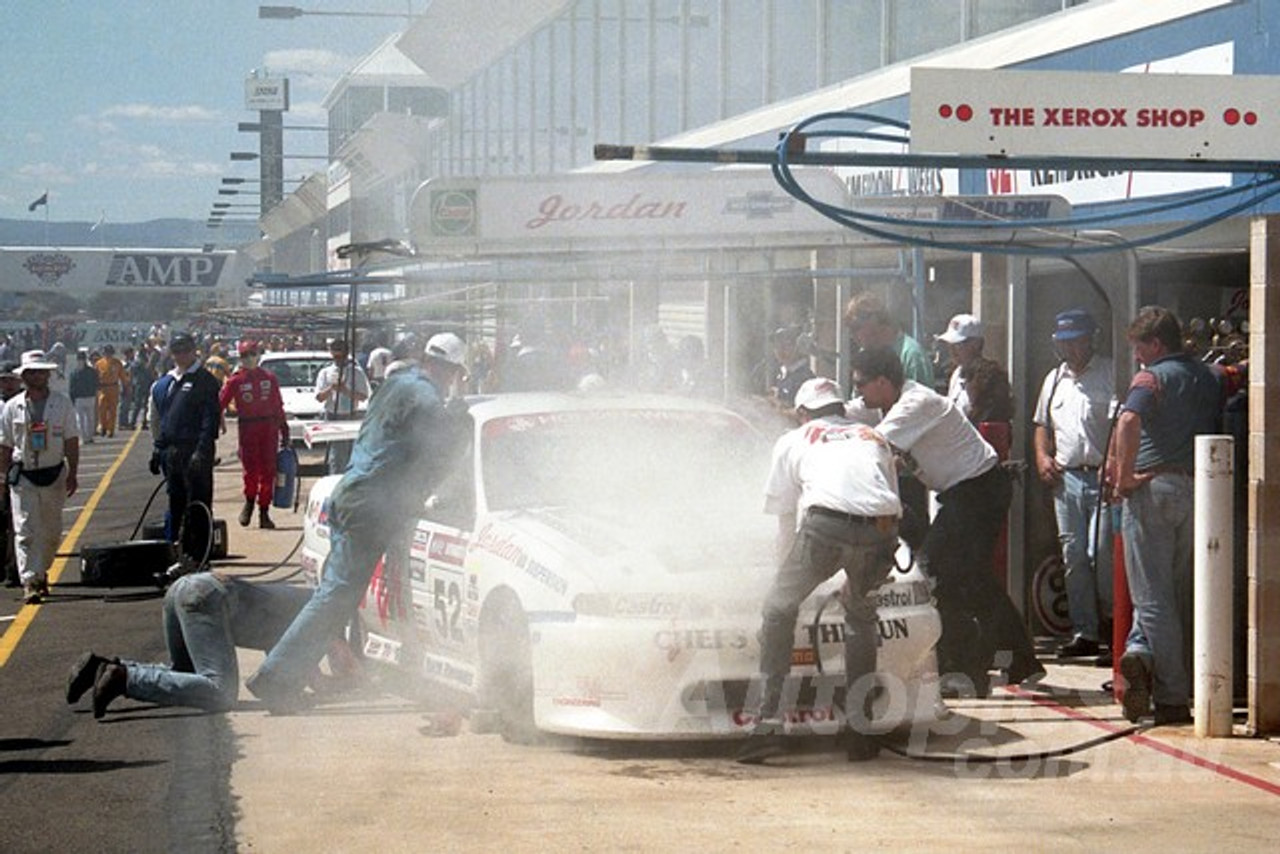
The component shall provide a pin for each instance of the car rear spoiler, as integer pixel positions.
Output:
(323, 432)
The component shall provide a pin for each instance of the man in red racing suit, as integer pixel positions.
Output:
(262, 428)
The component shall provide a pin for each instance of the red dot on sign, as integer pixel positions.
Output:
(1231, 116)
(964, 112)
(1251, 118)
(945, 111)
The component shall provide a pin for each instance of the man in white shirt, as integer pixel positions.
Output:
(981, 628)
(41, 444)
(1072, 419)
(837, 477)
(341, 387)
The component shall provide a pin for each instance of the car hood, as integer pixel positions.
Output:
(713, 557)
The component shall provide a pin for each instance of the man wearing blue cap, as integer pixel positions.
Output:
(1072, 419)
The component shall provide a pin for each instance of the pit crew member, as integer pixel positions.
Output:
(838, 476)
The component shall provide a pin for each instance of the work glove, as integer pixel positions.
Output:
(154, 464)
(201, 460)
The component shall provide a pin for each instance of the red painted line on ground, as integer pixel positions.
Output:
(1159, 746)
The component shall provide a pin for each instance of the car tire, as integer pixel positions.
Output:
(506, 667)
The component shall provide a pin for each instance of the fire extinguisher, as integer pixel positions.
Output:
(286, 478)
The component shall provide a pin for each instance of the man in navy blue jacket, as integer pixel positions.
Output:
(184, 425)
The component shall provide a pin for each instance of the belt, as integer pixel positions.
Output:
(882, 523)
(1089, 469)
(1182, 470)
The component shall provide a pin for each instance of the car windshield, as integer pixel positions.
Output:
(636, 465)
(296, 371)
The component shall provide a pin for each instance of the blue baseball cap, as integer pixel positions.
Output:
(1073, 323)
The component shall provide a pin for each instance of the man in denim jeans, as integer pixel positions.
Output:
(838, 478)
(1173, 398)
(206, 616)
(408, 442)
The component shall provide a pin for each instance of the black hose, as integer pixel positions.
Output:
(993, 758)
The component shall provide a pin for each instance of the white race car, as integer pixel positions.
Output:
(296, 371)
(596, 568)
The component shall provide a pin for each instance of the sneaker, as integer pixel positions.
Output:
(1078, 647)
(278, 700)
(109, 684)
(246, 514)
(82, 675)
(765, 741)
(1137, 690)
(1172, 714)
(31, 593)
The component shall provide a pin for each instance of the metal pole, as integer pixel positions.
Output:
(1214, 553)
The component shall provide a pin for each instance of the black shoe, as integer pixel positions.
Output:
(1137, 690)
(110, 683)
(12, 581)
(858, 746)
(766, 741)
(264, 520)
(246, 513)
(1078, 647)
(958, 686)
(82, 675)
(1103, 659)
(1172, 714)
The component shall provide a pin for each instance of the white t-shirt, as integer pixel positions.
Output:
(60, 425)
(958, 391)
(833, 463)
(1080, 413)
(340, 403)
(946, 447)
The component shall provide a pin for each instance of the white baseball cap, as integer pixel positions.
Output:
(817, 393)
(961, 328)
(447, 347)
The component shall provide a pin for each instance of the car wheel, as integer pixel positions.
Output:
(506, 667)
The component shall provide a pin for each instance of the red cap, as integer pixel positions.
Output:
(247, 346)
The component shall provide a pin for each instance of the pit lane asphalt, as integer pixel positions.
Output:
(377, 771)
(146, 778)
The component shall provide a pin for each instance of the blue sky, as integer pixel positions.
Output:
(127, 109)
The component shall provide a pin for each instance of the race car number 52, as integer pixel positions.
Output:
(448, 607)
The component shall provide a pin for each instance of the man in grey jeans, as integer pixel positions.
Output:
(206, 616)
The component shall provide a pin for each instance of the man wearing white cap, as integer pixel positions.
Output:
(837, 477)
(978, 385)
(408, 442)
(39, 438)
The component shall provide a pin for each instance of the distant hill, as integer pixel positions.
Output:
(155, 234)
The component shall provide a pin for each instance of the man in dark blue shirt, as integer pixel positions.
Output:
(184, 426)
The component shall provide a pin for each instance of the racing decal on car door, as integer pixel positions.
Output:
(443, 588)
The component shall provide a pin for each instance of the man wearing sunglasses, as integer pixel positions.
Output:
(981, 628)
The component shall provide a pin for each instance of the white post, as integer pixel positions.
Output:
(1214, 555)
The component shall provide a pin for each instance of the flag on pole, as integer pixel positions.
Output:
(97, 225)
(43, 200)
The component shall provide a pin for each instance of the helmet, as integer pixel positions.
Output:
(447, 347)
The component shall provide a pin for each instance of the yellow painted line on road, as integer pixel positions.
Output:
(10, 639)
